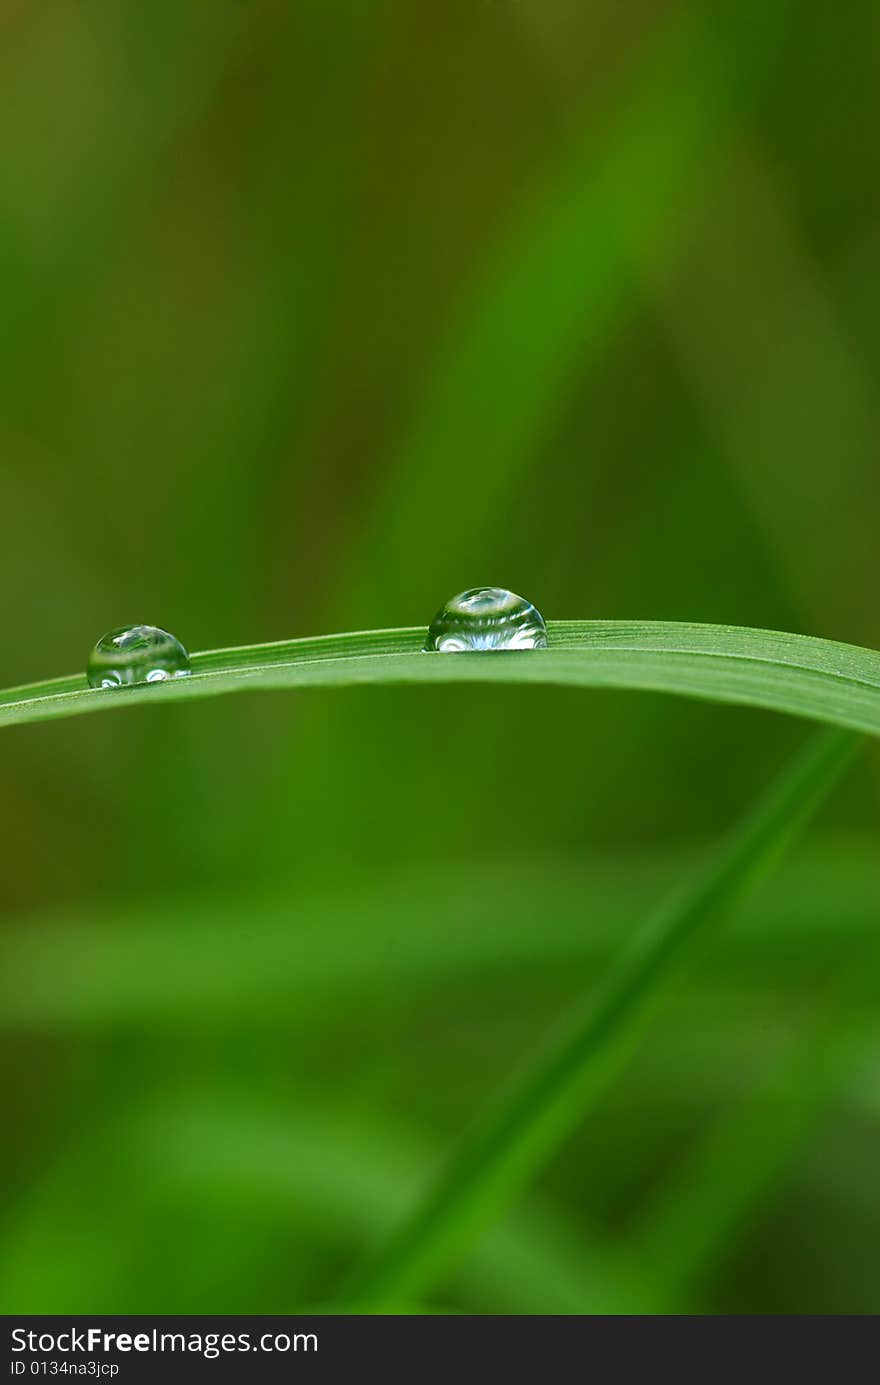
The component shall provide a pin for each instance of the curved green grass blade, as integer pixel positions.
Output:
(518, 1135)
(818, 679)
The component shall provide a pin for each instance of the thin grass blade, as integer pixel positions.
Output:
(521, 1133)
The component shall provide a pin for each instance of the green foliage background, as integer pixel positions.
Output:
(314, 314)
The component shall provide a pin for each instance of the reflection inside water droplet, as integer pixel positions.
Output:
(136, 654)
(486, 618)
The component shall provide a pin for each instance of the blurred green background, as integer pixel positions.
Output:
(312, 315)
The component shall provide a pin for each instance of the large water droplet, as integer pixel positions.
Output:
(136, 654)
(487, 618)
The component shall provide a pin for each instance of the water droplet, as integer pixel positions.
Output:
(136, 654)
(487, 618)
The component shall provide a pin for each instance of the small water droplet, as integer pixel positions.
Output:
(487, 618)
(136, 654)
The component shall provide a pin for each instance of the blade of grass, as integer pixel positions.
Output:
(538, 314)
(518, 1135)
(821, 680)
